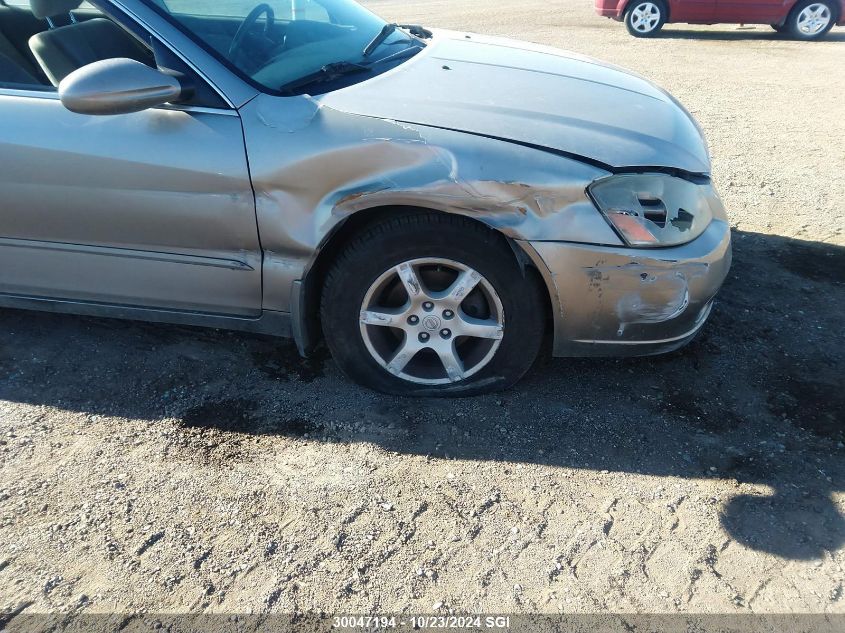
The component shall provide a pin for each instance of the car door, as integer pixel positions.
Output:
(692, 10)
(152, 209)
(752, 11)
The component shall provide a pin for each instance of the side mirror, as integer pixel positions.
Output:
(117, 86)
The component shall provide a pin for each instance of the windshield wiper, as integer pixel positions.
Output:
(417, 30)
(329, 72)
(386, 31)
(412, 49)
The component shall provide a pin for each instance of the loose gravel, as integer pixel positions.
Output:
(170, 469)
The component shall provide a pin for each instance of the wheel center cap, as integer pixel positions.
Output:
(431, 323)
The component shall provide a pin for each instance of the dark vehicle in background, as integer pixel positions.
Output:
(801, 19)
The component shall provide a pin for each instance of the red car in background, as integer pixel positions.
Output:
(802, 19)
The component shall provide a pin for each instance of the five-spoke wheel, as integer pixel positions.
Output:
(432, 304)
(432, 321)
(810, 20)
(645, 18)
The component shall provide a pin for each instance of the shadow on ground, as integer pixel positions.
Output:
(760, 32)
(757, 397)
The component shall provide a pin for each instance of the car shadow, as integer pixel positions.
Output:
(750, 33)
(757, 398)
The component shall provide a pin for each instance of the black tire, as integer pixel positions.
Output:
(430, 235)
(633, 11)
(791, 26)
(780, 28)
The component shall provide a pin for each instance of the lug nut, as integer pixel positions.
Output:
(413, 319)
(428, 306)
(445, 333)
(424, 337)
(448, 314)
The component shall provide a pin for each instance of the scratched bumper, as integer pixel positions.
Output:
(613, 301)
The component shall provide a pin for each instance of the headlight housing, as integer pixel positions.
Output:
(653, 210)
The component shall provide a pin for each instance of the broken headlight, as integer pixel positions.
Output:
(654, 209)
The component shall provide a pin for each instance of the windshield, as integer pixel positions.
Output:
(284, 44)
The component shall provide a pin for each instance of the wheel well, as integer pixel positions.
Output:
(309, 330)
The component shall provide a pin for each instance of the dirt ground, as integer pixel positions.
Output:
(171, 469)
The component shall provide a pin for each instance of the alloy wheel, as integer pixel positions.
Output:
(814, 19)
(432, 321)
(645, 17)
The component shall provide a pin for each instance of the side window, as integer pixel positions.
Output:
(36, 53)
(24, 4)
(19, 69)
(37, 49)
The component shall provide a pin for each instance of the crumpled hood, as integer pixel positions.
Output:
(535, 95)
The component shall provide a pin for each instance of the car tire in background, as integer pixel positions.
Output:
(428, 304)
(811, 19)
(645, 18)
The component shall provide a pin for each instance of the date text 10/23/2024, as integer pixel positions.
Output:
(418, 622)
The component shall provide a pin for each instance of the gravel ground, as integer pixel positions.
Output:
(171, 469)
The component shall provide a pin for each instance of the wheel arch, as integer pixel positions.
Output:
(306, 327)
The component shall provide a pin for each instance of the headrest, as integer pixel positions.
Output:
(48, 8)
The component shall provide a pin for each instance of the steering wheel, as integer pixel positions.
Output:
(249, 22)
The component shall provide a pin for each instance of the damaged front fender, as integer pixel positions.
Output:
(313, 167)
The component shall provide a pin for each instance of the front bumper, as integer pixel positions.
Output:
(615, 301)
